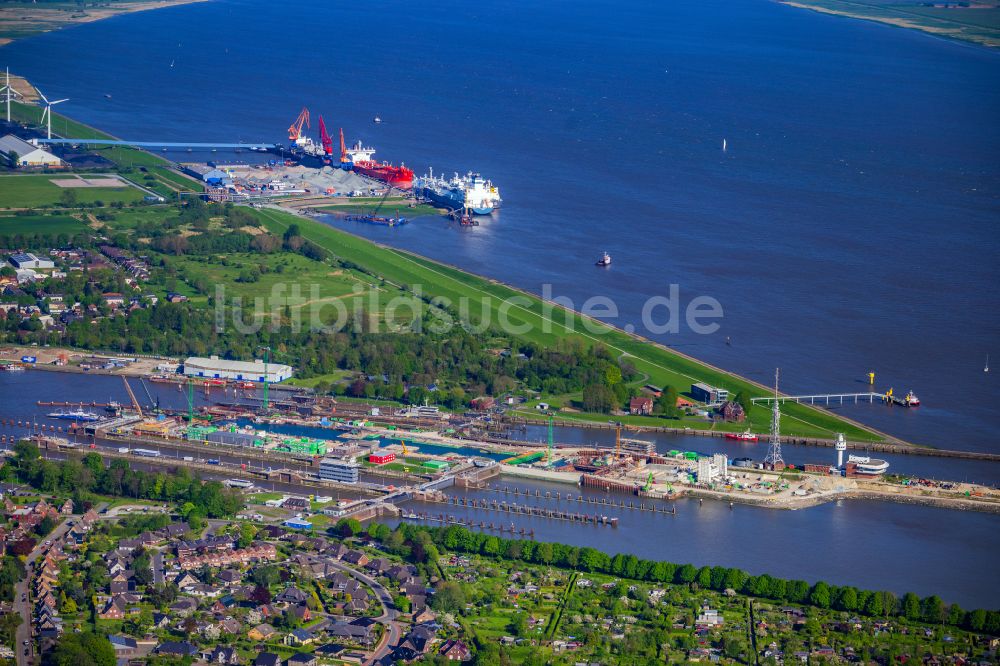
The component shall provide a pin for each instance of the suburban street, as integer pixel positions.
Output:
(393, 631)
(22, 600)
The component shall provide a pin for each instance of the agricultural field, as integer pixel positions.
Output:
(37, 190)
(41, 224)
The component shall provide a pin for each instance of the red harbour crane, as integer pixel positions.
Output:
(295, 130)
(325, 138)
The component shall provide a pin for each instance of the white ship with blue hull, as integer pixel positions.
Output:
(470, 192)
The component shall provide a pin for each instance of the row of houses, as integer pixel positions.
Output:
(258, 552)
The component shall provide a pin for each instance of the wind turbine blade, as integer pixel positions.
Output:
(42, 95)
(59, 101)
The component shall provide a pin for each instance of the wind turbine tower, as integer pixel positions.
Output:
(774, 459)
(47, 113)
(8, 90)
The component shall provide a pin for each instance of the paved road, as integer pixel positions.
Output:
(23, 608)
(394, 631)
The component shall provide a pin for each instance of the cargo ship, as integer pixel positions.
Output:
(469, 192)
(360, 157)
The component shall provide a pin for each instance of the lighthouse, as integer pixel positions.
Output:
(841, 447)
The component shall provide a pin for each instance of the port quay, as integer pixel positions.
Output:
(394, 455)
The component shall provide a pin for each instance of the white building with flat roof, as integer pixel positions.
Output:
(214, 367)
(339, 469)
(28, 155)
(29, 260)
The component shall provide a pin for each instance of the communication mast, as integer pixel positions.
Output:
(774, 459)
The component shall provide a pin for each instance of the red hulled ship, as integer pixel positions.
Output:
(361, 160)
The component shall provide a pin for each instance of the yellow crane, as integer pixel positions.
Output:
(135, 402)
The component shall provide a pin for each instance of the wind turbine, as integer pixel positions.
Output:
(7, 89)
(47, 113)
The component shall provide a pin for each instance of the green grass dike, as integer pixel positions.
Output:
(547, 324)
(975, 21)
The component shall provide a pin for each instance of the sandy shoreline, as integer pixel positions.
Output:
(27, 20)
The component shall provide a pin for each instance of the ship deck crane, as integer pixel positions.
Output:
(325, 138)
(295, 129)
(131, 395)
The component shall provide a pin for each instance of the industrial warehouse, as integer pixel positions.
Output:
(256, 371)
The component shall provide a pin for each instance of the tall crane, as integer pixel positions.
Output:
(295, 130)
(325, 138)
(135, 401)
(345, 161)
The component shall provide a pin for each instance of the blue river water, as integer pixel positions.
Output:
(879, 545)
(850, 225)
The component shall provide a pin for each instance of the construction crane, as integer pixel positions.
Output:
(618, 441)
(345, 161)
(325, 138)
(295, 130)
(135, 401)
(190, 401)
(267, 358)
(649, 483)
(548, 457)
(403, 444)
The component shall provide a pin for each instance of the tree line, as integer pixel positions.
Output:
(876, 604)
(80, 477)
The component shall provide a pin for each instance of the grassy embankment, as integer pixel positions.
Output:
(977, 24)
(546, 325)
(549, 324)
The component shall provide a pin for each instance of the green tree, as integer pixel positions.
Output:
(666, 404)
(820, 595)
(932, 609)
(68, 197)
(448, 597)
(911, 606)
(85, 649)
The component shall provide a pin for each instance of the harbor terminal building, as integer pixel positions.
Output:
(339, 469)
(250, 371)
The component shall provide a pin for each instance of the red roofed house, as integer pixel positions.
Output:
(641, 405)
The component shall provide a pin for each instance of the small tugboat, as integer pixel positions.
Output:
(745, 436)
(377, 119)
(605, 260)
(912, 400)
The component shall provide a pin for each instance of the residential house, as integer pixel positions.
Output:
(454, 650)
(262, 632)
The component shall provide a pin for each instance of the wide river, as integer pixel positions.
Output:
(871, 544)
(850, 224)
